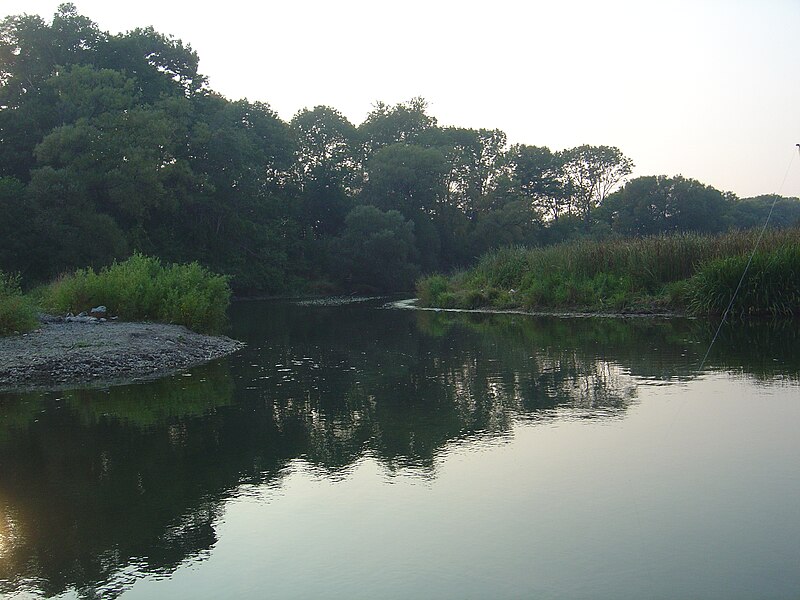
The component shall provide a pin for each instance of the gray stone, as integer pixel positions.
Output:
(98, 311)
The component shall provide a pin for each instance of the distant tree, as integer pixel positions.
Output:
(61, 230)
(660, 204)
(407, 178)
(512, 224)
(83, 91)
(475, 160)
(159, 64)
(121, 160)
(16, 234)
(376, 250)
(537, 176)
(404, 123)
(328, 167)
(31, 52)
(235, 217)
(591, 173)
(752, 212)
(326, 145)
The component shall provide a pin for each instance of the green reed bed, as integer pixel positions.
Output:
(770, 286)
(143, 288)
(641, 275)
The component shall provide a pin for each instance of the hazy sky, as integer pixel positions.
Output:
(706, 89)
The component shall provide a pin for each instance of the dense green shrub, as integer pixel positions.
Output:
(17, 314)
(142, 288)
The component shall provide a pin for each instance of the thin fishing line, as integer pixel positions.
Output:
(750, 260)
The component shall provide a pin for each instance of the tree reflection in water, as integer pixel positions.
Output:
(98, 487)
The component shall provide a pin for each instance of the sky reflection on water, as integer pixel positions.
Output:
(416, 454)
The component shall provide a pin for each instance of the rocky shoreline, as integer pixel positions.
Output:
(81, 353)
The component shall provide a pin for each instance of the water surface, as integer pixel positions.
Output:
(356, 452)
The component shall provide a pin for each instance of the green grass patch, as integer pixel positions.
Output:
(678, 272)
(771, 285)
(141, 288)
(17, 313)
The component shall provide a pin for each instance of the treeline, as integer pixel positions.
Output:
(111, 144)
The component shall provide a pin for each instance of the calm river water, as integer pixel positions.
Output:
(359, 452)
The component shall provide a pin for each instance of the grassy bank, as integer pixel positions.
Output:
(144, 289)
(17, 313)
(688, 272)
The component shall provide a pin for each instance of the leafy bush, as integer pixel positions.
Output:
(17, 314)
(142, 288)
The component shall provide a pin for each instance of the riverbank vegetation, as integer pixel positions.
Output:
(142, 288)
(17, 314)
(693, 273)
(114, 143)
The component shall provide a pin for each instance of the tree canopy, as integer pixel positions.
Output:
(114, 143)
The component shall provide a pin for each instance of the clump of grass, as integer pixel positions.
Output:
(142, 288)
(771, 285)
(432, 289)
(17, 314)
(618, 274)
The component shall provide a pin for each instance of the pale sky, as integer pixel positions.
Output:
(707, 89)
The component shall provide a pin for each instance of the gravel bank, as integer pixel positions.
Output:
(61, 354)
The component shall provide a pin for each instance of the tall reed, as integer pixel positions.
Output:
(771, 284)
(609, 274)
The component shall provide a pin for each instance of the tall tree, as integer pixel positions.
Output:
(31, 52)
(159, 64)
(403, 123)
(235, 219)
(752, 212)
(407, 178)
(537, 176)
(661, 204)
(592, 172)
(376, 250)
(475, 159)
(328, 167)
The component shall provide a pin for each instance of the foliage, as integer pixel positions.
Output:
(752, 212)
(403, 123)
(627, 274)
(406, 177)
(475, 160)
(771, 284)
(537, 176)
(17, 314)
(590, 174)
(142, 288)
(376, 250)
(652, 205)
(113, 142)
